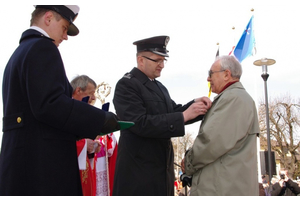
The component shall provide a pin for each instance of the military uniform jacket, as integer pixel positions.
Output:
(223, 158)
(42, 122)
(145, 161)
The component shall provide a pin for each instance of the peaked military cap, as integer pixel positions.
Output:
(69, 12)
(157, 45)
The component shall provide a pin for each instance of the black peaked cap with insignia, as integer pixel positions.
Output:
(157, 45)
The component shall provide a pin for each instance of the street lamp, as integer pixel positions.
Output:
(264, 62)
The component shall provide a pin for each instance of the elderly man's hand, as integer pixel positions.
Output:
(182, 165)
(90, 145)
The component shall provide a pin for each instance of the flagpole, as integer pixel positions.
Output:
(218, 51)
(233, 28)
(234, 38)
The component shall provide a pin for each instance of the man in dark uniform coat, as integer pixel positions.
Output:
(145, 162)
(41, 121)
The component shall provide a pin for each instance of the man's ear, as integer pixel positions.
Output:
(140, 61)
(227, 74)
(48, 17)
(77, 90)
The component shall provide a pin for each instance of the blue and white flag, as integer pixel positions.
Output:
(246, 43)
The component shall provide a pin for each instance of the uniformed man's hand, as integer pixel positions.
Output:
(111, 123)
(196, 109)
(205, 100)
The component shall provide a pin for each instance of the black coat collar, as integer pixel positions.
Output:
(152, 85)
(31, 33)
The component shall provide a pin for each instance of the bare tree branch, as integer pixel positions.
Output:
(284, 120)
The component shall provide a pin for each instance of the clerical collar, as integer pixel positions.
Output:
(40, 30)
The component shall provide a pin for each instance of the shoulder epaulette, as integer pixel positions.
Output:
(127, 75)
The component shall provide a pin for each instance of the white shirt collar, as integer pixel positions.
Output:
(40, 30)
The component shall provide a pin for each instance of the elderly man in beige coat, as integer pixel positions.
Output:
(223, 158)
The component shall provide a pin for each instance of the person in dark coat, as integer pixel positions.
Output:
(261, 189)
(41, 121)
(285, 186)
(145, 161)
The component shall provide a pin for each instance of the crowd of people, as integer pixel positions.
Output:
(56, 143)
(281, 185)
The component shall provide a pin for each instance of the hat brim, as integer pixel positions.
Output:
(160, 53)
(73, 30)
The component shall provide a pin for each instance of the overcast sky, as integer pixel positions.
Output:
(103, 49)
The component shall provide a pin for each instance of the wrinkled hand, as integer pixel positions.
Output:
(111, 123)
(182, 166)
(90, 145)
(93, 146)
(98, 148)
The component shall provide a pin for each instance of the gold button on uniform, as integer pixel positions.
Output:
(19, 120)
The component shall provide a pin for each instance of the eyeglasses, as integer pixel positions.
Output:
(164, 61)
(210, 72)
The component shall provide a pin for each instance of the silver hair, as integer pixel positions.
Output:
(82, 81)
(232, 64)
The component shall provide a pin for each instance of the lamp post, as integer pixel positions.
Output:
(264, 62)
